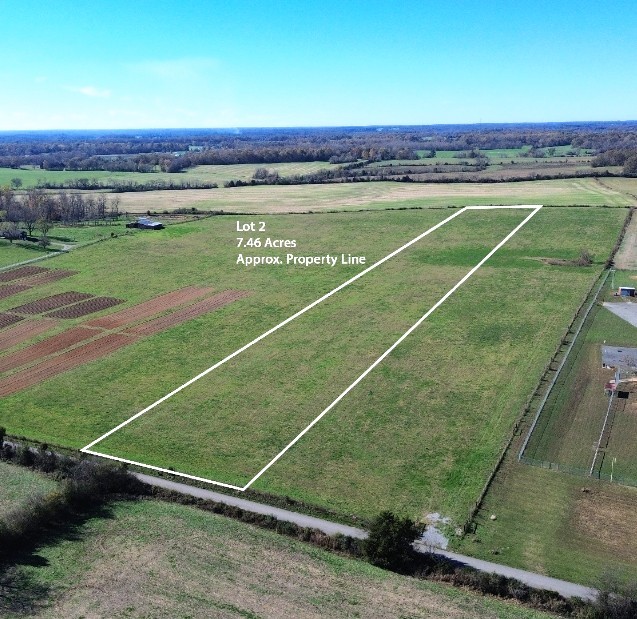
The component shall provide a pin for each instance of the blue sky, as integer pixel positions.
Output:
(137, 63)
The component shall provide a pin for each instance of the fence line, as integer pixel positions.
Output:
(567, 353)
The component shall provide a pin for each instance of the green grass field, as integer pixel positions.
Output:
(19, 485)
(202, 174)
(419, 435)
(570, 425)
(162, 560)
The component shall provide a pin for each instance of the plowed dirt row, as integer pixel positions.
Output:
(105, 345)
(25, 331)
(46, 278)
(11, 289)
(66, 361)
(149, 308)
(50, 346)
(6, 320)
(192, 311)
(90, 306)
(49, 303)
(9, 276)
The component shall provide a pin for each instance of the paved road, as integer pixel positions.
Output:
(537, 581)
(626, 310)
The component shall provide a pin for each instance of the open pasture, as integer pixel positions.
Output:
(379, 195)
(419, 435)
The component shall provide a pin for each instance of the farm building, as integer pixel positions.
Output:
(626, 291)
(144, 223)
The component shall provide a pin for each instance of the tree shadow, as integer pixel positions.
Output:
(22, 592)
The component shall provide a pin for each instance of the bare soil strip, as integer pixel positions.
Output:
(192, 311)
(66, 361)
(149, 308)
(90, 306)
(52, 302)
(9, 276)
(10, 289)
(6, 320)
(25, 331)
(46, 278)
(50, 346)
(98, 348)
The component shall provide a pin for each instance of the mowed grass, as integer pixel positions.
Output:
(19, 485)
(570, 426)
(380, 195)
(161, 560)
(219, 174)
(557, 524)
(275, 389)
(421, 433)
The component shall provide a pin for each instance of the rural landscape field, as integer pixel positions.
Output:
(318, 311)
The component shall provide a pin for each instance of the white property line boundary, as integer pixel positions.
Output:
(88, 450)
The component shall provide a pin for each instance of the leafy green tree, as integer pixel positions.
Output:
(389, 544)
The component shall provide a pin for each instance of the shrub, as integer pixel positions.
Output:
(389, 544)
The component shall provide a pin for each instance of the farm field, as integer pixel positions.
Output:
(557, 524)
(130, 561)
(201, 174)
(569, 427)
(406, 441)
(379, 195)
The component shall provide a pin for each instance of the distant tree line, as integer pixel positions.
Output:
(626, 157)
(174, 151)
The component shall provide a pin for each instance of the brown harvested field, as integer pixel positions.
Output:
(9, 276)
(187, 313)
(6, 320)
(52, 275)
(47, 347)
(66, 361)
(52, 302)
(10, 289)
(150, 308)
(25, 331)
(90, 306)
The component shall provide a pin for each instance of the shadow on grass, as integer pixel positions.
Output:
(22, 592)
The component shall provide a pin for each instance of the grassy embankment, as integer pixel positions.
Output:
(157, 559)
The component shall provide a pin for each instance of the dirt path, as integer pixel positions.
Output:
(537, 581)
(626, 257)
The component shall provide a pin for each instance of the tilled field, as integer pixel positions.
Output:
(47, 347)
(10, 289)
(25, 331)
(50, 276)
(150, 308)
(187, 313)
(6, 320)
(50, 303)
(56, 355)
(90, 306)
(9, 276)
(64, 362)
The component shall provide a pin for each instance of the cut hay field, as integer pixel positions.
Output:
(419, 435)
(379, 195)
(153, 559)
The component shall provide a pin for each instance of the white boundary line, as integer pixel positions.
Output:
(87, 449)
